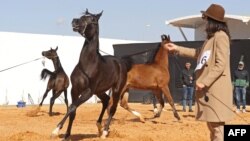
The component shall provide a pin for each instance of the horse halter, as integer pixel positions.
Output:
(52, 56)
(88, 23)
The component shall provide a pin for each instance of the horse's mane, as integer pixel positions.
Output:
(154, 52)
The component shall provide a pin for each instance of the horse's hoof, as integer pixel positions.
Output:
(104, 134)
(55, 133)
(99, 126)
(142, 119)
(180, 121)
(103, 137)
(157, 115)
(66, 139)
(156, 110)
(177, 116)
(53, 136)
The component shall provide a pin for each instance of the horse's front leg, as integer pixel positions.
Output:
(85, 95)
(167, 94)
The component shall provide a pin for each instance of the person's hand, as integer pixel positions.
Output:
(190, 77)
(199, 86)
(171, 46)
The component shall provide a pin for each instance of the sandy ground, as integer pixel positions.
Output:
(15, 125)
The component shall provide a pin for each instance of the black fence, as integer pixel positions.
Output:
(144, 52)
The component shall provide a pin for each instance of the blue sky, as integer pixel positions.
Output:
(121, 19)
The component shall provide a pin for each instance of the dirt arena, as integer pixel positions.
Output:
(15, 125)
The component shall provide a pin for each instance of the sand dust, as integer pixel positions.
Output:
(34, 111)
(31, 124)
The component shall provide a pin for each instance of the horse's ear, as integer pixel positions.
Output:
(163, 37)
(169, 38)
(56, 48)
(99, 15)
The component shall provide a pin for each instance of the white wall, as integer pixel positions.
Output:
(17, 48)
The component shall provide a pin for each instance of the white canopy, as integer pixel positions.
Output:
(238, 25)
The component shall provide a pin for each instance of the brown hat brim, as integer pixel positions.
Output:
(210, 16)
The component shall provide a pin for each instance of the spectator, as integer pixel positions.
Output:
(187, 80)
(241, 82)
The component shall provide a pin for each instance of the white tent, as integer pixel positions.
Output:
(18, 48)
(239, 26)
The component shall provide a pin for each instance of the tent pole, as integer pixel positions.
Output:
(182, 33)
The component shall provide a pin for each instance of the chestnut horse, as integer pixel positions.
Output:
(94, 74)
(152, 76)
(58, 81)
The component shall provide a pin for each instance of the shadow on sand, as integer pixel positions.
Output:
(78, 137)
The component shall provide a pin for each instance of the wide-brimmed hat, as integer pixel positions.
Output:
(215, 12)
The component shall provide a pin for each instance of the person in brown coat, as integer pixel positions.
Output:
(214, 94)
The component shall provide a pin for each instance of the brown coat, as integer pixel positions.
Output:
(215, 74)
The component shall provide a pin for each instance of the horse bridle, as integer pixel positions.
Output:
(52, 56)
(88, 23)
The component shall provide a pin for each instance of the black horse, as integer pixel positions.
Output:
(58, 81)
(94, 74)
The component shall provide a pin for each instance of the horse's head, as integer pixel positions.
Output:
(50, 54)
(165, 39)
(86, 25)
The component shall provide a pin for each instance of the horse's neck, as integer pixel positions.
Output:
(90, 49)
(57, 63)
(161, 57)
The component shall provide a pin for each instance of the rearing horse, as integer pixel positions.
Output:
(153, 76)
(94, 74)
(58, 80)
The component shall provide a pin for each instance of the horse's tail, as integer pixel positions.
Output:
(45, 73)
(128, 61)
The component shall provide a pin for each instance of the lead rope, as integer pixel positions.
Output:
(20, 64)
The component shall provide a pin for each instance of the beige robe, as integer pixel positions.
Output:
(215, 73)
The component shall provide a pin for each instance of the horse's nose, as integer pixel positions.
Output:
(75, 21)
(42, 53)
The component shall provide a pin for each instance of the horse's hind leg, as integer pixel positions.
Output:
(105, 100)
(52, 100)
(124, 104)
(66, 99)
(44, 96)
(158, 94)
(115, 99)
(166, 92)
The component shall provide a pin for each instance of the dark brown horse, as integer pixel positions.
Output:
(58, 81)
(94, 74)
(153, 76)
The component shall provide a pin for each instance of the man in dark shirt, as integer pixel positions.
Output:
(187, 80)
(241, 82)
